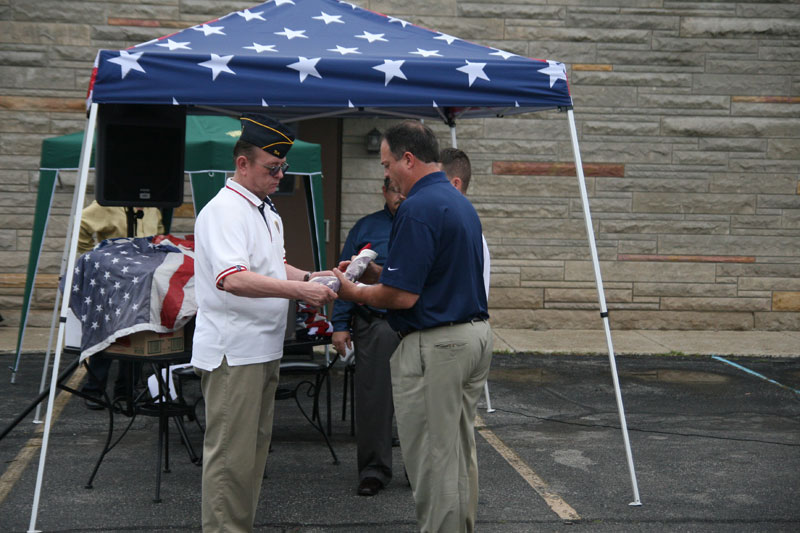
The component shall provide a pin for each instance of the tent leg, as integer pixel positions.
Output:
(83, 178)
(64, 258)
(602, 299)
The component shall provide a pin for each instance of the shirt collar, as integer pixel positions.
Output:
(238, 188)
(428, 179)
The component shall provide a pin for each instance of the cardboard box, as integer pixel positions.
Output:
(147, 343)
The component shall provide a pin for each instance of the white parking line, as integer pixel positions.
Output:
(553, 500)
(17, 466)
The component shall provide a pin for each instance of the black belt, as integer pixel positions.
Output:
(367, 314)
(472, 320)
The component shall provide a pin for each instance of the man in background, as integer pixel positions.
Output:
(374, 341)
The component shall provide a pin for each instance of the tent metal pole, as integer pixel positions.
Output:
(64, 259)
(27, 309)
(453, 139)
(83, 178)
(601, 296)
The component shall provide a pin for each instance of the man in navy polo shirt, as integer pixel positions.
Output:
(432, 285)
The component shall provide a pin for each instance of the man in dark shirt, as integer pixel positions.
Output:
(432, 284)
(375, 341)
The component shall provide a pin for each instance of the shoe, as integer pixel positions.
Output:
(94, 403)
(369, 486)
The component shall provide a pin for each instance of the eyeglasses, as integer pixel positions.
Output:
(274, 170)
(394, 190)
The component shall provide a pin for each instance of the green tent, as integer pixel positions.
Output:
(208, 159)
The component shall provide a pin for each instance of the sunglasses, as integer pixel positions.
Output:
(273, 171)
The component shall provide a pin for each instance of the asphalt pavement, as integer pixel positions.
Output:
(715, 446)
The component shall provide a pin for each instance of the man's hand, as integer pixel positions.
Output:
(315, 294)
(341, 341)
(348, 290)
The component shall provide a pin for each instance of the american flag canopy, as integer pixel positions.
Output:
(300, 57)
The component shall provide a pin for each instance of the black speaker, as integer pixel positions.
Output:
(139, 159)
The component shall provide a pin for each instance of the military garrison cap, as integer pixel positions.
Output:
(267, 133)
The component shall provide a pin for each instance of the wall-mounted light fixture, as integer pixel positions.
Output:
(373, 141)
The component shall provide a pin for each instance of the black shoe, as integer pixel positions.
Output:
(369, 486)
(95, 402)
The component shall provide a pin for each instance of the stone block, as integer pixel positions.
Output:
(533, 227)
(540, 252)
(567, 52)
(749, 27)
(715, 304)
(778, 201)
(733, 145)
(47, 33)
(654, 184)
(642, 271)
(586, 295)
(654, 59)
(692, 227)
(528, 129)
(759, 166)
(512, 318)
(528, 186)
(215, 8)
(411, 7)
(712, 45)
(504, 10)
(476, 30)
(777, 321)
(756, 221)
(684, 102)
(791, 219)
(769, 284)
(777, 270)
(685, 290)
(778, 53)
(527, 208)
(542, 273)
(592, 35)
(631, 79)
(682, 320)
(639, 21)
(658, 202)
(729, 245)
(515, 298)
(784, 148)
(503, 279)
(29, 77)
(621, 127)
(730, 127)
(681, 157)
(603, 96)
(598, 206)
(754, 67)
(745, 84)
(636, 246)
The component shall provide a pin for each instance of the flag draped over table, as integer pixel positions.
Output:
(128, 285)
(317, 54)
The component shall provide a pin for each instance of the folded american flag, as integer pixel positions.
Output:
(127, 285)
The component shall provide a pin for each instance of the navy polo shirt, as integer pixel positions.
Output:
(373, 229)
(436, 251)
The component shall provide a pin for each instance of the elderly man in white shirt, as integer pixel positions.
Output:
(243, 288)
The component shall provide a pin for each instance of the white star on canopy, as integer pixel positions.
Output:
(291, 34)
(502, 53)
(128, 62)
(445, 37)
(427, 53)
(371, 37)
(281, 2)
(556, 71)
(261, 47)
(306, 67)
(248, 15)
(329, 18)
(404, 23)
(172, 45)
(391, 69)
(344, 51)
(210, 30)
(474, 71)
(217, 64)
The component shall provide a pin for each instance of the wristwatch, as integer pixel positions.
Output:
(307, 276)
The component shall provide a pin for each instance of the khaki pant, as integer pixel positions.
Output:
(437, 378)
(240, 403)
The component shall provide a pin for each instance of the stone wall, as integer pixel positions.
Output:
(687, 114)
